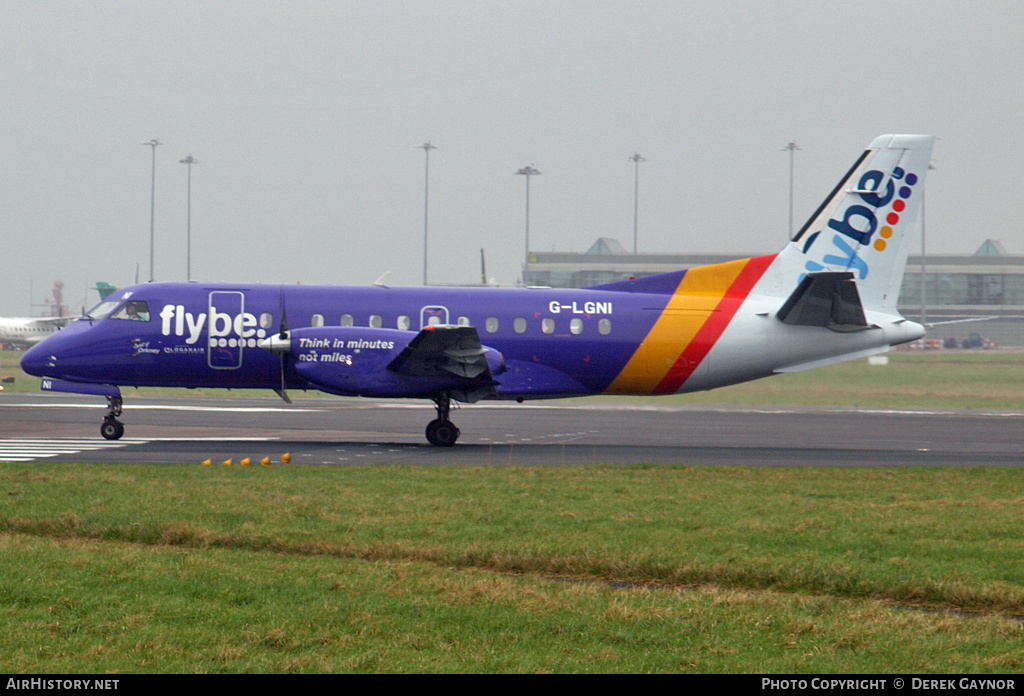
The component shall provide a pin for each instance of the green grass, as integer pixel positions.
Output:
(519, 569)
(938, 380)
(510, 569)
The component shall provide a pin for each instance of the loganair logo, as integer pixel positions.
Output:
(860, 221)
(226, 330)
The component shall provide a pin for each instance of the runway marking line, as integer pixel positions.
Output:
(31, 449)
(27, 449)
(168, 407)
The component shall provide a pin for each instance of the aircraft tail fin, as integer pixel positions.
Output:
(866, 224)
(104, 289)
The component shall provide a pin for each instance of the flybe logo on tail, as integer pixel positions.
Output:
(859, 222)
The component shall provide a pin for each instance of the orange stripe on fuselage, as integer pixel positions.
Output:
(698, 312)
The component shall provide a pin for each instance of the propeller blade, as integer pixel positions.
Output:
(284, 355)
(281, 345)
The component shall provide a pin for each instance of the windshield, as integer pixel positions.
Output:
(102, 309)
(133, 310)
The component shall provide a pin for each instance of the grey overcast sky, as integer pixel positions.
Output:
(305, 117)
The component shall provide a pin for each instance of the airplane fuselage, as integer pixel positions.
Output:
(552, 342)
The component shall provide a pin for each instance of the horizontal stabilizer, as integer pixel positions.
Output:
(834, 360)
(828, 299)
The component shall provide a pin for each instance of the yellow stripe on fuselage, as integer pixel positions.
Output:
(699, 293)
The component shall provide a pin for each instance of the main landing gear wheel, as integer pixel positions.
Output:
(441, 432)
(112, 428)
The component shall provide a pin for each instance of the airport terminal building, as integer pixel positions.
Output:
(980, 293)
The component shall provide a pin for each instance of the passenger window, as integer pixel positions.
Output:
(491, 324)
(464, 321)
(519, 325)
(547, 325)
(604, 326)
(317, 320)
(376, 321)
(576, 326)
(346, 320)
(266, 320)
(433, 320)
(404, 323)
(133, 310)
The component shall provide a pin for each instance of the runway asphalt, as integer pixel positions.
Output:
(189, 429)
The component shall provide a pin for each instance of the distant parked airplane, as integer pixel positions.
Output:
(830, 295)
(28, 331)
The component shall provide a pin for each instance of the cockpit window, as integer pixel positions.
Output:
(102, 309)
(133, 310)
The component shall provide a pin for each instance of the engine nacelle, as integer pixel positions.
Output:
(361, 361)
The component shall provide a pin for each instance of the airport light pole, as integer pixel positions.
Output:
(924, 268)
(426, 147)
(527, 172)
(636, 159)
(190, 160)
(792, 147)
(152, 203)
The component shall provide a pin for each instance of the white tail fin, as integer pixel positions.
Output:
(866, 224)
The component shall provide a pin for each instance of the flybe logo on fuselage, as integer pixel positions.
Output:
(237, 329)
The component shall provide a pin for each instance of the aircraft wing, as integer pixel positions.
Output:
(59, 322)
(439, 351)
(391, 363)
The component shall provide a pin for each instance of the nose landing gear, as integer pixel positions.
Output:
(112, 429)
(441, 432)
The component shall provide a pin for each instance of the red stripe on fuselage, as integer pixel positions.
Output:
(712, 329)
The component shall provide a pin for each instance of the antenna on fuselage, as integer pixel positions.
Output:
(380, 281)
